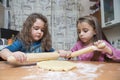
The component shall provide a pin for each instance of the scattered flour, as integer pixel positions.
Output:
(30, 77)
(84, 71)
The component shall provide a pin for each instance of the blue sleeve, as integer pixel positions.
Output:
(15, 46)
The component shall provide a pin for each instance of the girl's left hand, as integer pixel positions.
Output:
(99, 45)
(104, 48)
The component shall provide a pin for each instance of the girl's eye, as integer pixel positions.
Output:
(36, 28)
(85, 30)
(42, 30)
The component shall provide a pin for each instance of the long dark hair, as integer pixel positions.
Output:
(91, 20)
(25, 33)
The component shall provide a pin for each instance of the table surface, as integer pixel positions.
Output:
(83, 71)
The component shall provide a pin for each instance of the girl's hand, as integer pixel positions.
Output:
(100, 44)
(65, 54)
(20, 56)
(104, 48)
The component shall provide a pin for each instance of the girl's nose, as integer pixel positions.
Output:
(39, 31)
(81, 33)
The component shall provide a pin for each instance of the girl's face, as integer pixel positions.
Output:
(38, 30)
(86, 32)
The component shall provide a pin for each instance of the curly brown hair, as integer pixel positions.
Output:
(25, 33)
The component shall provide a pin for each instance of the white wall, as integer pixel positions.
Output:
(61, 14)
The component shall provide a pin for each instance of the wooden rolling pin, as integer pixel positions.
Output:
(87, 50)
(33, 57)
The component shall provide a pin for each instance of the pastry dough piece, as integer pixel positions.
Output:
(56, 65)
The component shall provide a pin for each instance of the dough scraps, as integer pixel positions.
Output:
(56, 65)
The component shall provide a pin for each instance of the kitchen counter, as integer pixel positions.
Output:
(83, 71)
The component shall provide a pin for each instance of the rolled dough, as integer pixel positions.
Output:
(56, 65)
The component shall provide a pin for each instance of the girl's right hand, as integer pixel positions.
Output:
(20, 56)
(65, 54)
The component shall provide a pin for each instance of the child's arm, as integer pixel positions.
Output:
(107, 50)
(20, 56)
(111, 52)
(68, 54)
(5, 53)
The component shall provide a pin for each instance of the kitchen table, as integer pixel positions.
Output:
(83, 71)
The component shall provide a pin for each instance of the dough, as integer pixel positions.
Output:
(56, 65)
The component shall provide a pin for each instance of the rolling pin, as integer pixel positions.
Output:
(33, 57)
(87, 50)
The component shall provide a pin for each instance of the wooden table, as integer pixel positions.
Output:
(84, 71)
